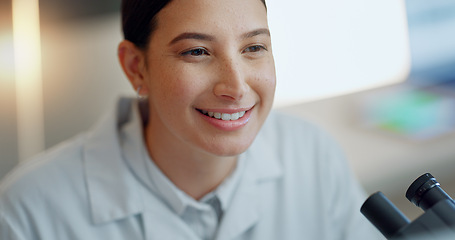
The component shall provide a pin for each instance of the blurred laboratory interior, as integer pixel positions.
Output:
(378, 75)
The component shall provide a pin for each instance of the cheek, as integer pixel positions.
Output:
(265, 83)
(178, 85)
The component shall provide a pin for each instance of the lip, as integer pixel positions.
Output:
(226, 110)
(231, 125)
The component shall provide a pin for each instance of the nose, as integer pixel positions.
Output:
(232, 82)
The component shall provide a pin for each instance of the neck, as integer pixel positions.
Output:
(193, 171)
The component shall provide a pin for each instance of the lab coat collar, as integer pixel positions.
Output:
(113, 191)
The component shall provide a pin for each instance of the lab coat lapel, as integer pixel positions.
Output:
(113, 191)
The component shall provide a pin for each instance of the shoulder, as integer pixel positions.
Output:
(287, 124)
(293, 134)
(304, 151)
(48, 174)
(301, 150)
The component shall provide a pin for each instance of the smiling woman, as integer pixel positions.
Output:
(187, 69)
(200, 157)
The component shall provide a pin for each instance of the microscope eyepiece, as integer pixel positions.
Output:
(381, 212)
(425, 192)
(436, 223)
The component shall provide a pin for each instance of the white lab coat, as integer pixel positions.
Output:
(296, 185)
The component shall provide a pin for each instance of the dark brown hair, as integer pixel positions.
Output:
(139, 19)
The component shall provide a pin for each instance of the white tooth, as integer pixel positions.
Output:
(226, 116)
(235, 116)
(210, 114)
(204, 112)
(217, 115)
(241, 114)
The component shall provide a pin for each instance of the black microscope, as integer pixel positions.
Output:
(436, 223)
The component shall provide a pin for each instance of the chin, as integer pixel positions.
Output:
(230, 150)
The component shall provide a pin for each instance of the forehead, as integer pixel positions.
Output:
(211, 16)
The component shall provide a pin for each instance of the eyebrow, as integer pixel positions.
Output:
(206, 37)
(256, 32)
(192, 35)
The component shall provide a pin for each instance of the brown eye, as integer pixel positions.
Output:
(195, 52)
(255, 48)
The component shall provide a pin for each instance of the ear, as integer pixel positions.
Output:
(132, 60)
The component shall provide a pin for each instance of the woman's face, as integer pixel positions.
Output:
(210, 75)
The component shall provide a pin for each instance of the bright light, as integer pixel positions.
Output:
(327, 48)
(27, 54)
(6, 57)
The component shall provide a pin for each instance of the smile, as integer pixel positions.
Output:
(223, 116)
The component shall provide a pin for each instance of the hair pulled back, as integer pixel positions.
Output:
(139, 19)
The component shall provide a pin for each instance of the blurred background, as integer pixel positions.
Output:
(379, 76)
